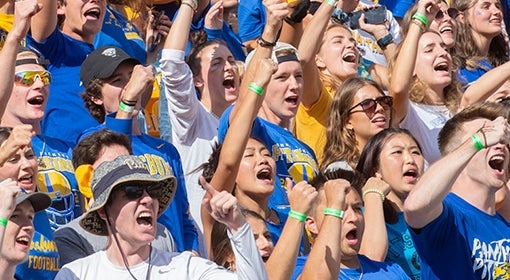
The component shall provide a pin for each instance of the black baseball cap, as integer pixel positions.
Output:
(102, 62)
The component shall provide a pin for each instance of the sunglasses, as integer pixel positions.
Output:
(369, 105)
(28, 78)
(135, 192)
(452, 12)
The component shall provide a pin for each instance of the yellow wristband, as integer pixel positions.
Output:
(383, 197)
(334, 212)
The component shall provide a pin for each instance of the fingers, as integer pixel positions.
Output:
(207, 187)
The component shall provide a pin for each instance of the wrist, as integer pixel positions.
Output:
(3, 222)
(297, 215)
(334, 212)
(374, 192)
(384, 41)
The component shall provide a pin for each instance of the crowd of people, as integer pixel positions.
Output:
(304, 139)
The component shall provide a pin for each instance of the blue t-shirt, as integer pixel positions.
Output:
(293, 158)
(118, 31)
(66, 116)
(251, 15)
(161, 157)
(401, 248)
(397, 7)
(56, 178)
(464, 243)
(42, 260)
(371, 270)
(467, 77)
(233, 41)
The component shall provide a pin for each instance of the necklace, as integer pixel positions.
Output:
(40, 162)
(343, 274)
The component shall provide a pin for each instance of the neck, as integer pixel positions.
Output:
(258, 205)
(11, 121)
(350, 262)
(271, 117)
(134, 254)
(396, 201)
(482, 43)
(215, 108)
(475, 193)
(434, 95)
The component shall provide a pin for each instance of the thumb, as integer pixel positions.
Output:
(289, 184)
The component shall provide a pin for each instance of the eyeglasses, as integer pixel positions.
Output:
(28, 78)
(135, 192)
(452, 12)
(369, 105)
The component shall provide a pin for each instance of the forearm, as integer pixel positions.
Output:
(8, 58)
(44, 22)
(374, 243)
(282, 261)
(249, 264)
(178, 36)
(486, 85)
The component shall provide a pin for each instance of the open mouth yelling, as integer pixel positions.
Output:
(229, 83)
(23, 241)
(352, 237)
(37, 100)
(411, 175)
(350, 57)
(145, 219)
(265, 174)
(497, 163)
(93, 14)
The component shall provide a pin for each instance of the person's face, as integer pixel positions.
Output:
(262, 237)
(445, 25)
(433, 62)
(18, 234)
(257, 171)
(284, 90)
(83, 18)
(109, 153)
(338, 54)
(353, 223)
(488, 166)
(134, 220)
(21, 168)
(28, 102)
(485, 18)
(113, 86)
(219, 74)
(366, 126)
(401, 164)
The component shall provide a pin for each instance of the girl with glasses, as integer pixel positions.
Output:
(359, 110)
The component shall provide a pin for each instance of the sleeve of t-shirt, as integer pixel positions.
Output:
(71, 246)
(252, 18)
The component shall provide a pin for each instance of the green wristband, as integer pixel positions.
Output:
(297, 215)
(125, 107)
(332, 3)
(421, 17)
(3, 222)
(334, 212)
(256, 88)
(477, 142)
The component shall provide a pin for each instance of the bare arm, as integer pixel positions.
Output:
(324, 259)
(23, 12)
(282, 261)
(179, 32)
(424, 203)
(45, 22)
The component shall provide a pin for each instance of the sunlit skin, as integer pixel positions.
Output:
(284, 94)
(83, 18)
(22, 168)
(262, 236)
(363, 126)
(109, 153)
(113, 86)
(338, 55)
(445, 26)
(18, 235)
(218, 80)
(400, 165)
(433, 62)
(485, 18)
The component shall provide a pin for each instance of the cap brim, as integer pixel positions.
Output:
(39, 200)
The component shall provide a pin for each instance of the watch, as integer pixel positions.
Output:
(265, 44)
(339, 17)
(385, 41)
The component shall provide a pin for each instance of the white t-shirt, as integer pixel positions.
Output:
(425, 122)
(166, 265)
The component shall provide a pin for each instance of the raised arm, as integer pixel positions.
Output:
(282, 261)
(45, 22)
(403, 69)
(425, 202)
(179, 32)
(324, 259)
(23, 12)
(8, 191)
(308, 49)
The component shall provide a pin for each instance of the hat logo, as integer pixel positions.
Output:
(111, 52)
(134, 163)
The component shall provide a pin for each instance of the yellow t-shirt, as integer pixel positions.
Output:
(6, 23)
(310, 123)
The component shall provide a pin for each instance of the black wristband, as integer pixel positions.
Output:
(385, 41)
(265, 44)
(299, 13)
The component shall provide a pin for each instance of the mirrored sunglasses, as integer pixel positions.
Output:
(369, 105)
(135, 192)
(28, 78)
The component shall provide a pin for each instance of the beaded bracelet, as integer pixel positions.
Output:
(256, 88)
(419, 23)
(297, 215)
(477, 142)
(125, 107)
(193, 7)
(334, 212)
(3, 222)
(383, 197)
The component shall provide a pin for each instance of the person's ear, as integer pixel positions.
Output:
(320, 63)
(198, 82)
(101, 213)
(312, 226)
(97, 101)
